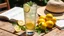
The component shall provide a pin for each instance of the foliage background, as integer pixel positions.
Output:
(21, 2)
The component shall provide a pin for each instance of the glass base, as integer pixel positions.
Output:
(29, 32)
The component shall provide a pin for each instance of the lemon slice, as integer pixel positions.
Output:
(26, 8)
(20, 22)
(17, 28)
(30, 26)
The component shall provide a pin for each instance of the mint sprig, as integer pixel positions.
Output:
(30, 3)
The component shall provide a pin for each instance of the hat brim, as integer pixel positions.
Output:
(42, 11)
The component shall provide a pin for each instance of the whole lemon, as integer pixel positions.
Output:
(42, 17)
(43, 25)
(54, 20)
(49, 16)
(50, 24)
(41, 20)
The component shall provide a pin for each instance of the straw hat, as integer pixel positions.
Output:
(54, 7)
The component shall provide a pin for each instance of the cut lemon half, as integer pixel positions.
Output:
(20, 22)
(17, 28)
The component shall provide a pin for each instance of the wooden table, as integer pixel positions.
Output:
(6, 29)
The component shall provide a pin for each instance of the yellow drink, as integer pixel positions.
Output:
(30, 18)
(30, 26)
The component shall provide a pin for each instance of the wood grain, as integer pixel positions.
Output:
(3, 5)
(4, 33)
(6, 26)
(55, 32)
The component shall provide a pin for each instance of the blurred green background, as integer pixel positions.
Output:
(21, 2)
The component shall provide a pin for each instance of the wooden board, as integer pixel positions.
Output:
(6, 26)
(4, 33)
(3, 5)
(55, 32)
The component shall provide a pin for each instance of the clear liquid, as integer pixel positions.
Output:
(30, 19)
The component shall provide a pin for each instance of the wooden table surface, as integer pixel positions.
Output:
(6, 29)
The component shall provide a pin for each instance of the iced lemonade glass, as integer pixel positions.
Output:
(30, 18)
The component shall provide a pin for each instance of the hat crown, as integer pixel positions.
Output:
(57, 5)
(56, 2)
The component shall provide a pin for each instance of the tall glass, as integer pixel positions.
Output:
(30, 18)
